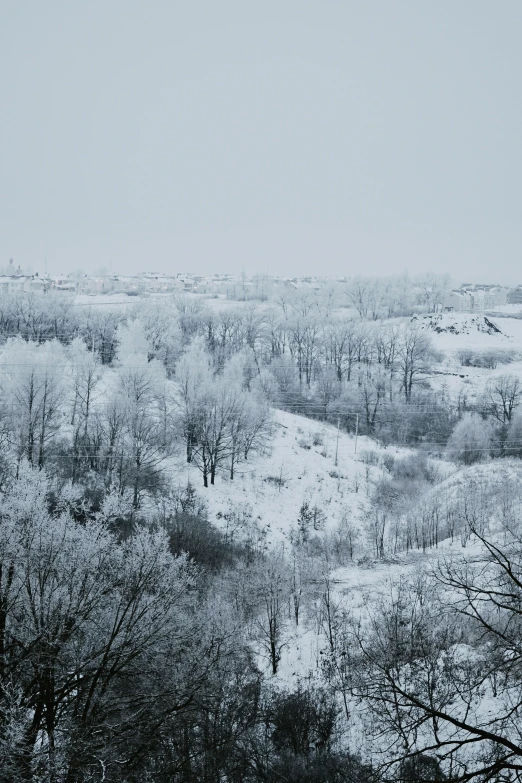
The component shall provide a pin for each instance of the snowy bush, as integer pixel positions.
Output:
(471, 440)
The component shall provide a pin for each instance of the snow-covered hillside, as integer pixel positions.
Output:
(457, 331)
(465, 339)
(299, 468)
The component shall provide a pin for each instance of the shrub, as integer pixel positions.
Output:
(489, 358)
(388, 462)
(279, 481)
(465, 357)
(414, 467)
(370, 457)
(471, 439)
(310, 516)
(202, 542)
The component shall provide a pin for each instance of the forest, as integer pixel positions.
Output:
(159, 623)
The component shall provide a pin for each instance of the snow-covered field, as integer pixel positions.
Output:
(106, 300)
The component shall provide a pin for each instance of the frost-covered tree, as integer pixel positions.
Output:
(194, 377)
(471, 440)
(97, 637)
(365, 294)
(131, 342)
(33, 384)
(221, 421)
(304, 342)
(160, 322)
(220, 416)
(86, 375)
(142, 398)
(271, 587)
(98, 327)
(431, 290)
(141, 380)
(250, 428)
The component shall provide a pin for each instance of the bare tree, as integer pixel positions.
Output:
(272, 588)
(415, 354)
(340, 341)
(371, 392)
(304, 342)
(432, 289)
(502, 396)
(441, 664)
(363, 293)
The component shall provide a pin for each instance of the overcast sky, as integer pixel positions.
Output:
(288, 136)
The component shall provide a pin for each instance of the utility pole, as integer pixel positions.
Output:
(337, 442)
(356, 430)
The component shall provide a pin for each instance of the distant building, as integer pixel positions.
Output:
(515, 295)
(458, 301)
(64, 284)
(97, 284)
(38, 284)
(487, 296)
(17, 284)
(470, 298)
(500, 295)
(155, 283)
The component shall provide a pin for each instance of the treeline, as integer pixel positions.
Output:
(303, 354)
(309, 353)
(115, 429)
(370, 297)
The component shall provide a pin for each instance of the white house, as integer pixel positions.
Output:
(63, 284)
(13, 284)
(458, 301)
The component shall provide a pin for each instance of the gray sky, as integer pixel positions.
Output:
(298, 136)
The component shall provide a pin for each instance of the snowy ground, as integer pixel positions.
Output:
(355, 588)
(508, 309)
(111, 300)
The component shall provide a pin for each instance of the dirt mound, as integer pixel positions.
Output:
(447, 323)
